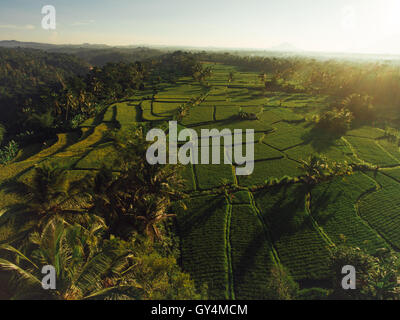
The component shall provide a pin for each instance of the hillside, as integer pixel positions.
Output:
(238, 228)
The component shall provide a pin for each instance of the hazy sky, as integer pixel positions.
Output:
(371, 26)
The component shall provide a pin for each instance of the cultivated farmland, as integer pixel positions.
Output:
(237, 228)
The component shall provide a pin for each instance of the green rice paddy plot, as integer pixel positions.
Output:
(371, 152)
(288, 135)
(300, 246)
(211, 176)
(252, 256)
(202, 230)
(381, 209)
(366, 132)
(336, 150)
(240, 197)
(270, 169)
(333, 206)
(105, 154)
(128, 113)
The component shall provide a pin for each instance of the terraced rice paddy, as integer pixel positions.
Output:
(230, 241)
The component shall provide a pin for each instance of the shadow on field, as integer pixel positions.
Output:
(242, 270)
(287, 215)
(319, 204)
(319, 139)
(189, 222)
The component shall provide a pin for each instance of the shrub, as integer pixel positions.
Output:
(9, 152)
(77, 120)
(243, 115)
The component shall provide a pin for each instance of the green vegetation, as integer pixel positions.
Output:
(251, 254)
(8, 152)
(377, 274)
(335, 205)
(202, 228)
(380, 209)
(293, 231)
(74, 177)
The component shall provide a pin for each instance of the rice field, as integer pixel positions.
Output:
(236, 228)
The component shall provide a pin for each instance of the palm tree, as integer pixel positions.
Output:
(71, 103)
(85, 267)
(314, 168)
(139, 196)
(49, 195)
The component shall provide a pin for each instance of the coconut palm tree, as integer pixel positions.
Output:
(49, 195)
(86, 267)
(138, 197)
(71, 103)
(315, 168)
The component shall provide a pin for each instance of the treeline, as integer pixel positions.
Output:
(100, 57)
(45, 92)
(380, 80)
(24, 73)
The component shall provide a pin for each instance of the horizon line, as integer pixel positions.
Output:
(268, 49)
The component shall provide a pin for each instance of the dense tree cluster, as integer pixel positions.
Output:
(27, 74)
(105, 234)
(42, 92)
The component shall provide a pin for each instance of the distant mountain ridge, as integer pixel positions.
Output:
(47, 46)
(284, 47)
